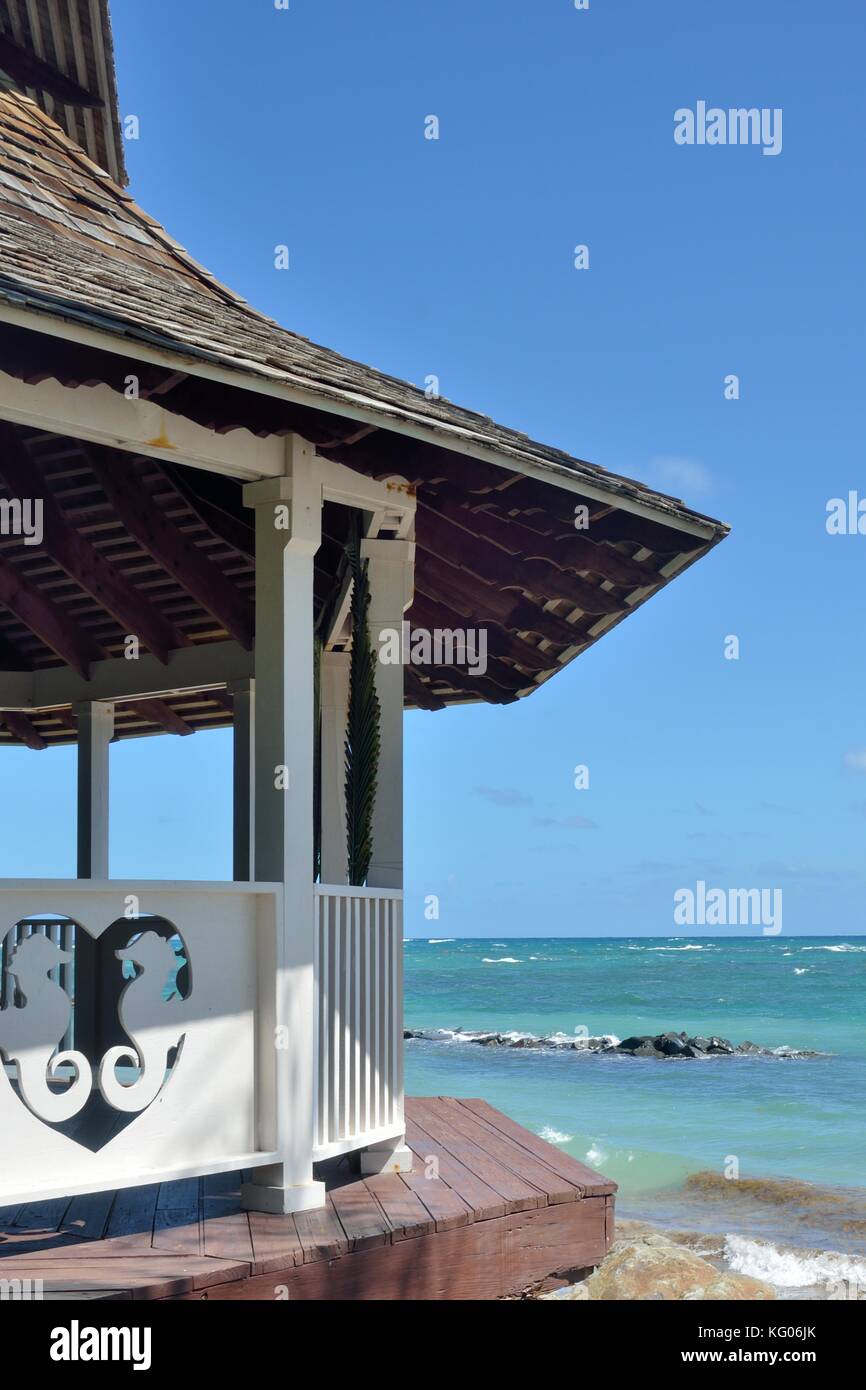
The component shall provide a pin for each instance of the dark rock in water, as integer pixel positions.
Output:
(495, 1040)
(751, 1049)
(411, 1033)
(700, 1045)
(721, 1045)
(671, 1044)
(632, 1044)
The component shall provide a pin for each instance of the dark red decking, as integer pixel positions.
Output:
(488, 1210)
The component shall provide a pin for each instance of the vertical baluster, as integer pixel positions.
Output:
(317, 977)
(368, 1015)
(335, 1022)
(386, 1012)
(348, 968)
(356, 1018)
(375, 1054)
(397, 1007)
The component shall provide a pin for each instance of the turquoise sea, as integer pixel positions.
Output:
(672, 1132)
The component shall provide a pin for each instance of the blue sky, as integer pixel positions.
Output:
(454, 257)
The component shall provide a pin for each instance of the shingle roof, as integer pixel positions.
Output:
(71, 38)
(74, 244)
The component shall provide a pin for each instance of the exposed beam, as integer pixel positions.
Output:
(262, 460)
(536, 540)
(47, 620)
(500, 642)
(23, 728)
(193, 669)
(80, 559)
(164, 542)
(158, 712)
(476, 685)
(419, 692)
(103, 415)
(492, 565)
(234, 530)
(30, 71)
(482, 603)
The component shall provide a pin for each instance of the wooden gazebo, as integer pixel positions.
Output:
(180, 482)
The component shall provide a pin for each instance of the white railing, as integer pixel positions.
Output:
(174, 1007)
(359, 1025)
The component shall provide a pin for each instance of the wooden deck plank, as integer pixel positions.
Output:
(276, 1243)
(482, 1202)
(42, 1216)
(177, 1220)
(320, 1233)
(479, 1216)
(517, 1192)
(446, 1208)
(587, 1179)
(406, 1213)
(132, 1216)
(87, 1216)
(360, 1215)
(512, 1155)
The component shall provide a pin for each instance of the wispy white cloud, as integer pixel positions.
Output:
(503, 796)
(856, 758)
(686, 475)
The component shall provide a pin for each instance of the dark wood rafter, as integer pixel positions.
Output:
(81, 560)
(235, 530)
(500, 642)
(23, 729)
(166, 544)
(159, 713)
(30, 71)
(418, 692)
(482, 603)
(493, 566)
(47, 620)
(567, 550)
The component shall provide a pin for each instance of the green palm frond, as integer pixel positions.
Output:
(363, 725)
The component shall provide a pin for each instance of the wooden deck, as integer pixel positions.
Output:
(488, 1210)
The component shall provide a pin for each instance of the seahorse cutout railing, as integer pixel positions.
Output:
(151, 1021)
(30, 1035)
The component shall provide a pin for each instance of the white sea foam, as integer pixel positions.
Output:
(844, 946)
(595, 1155)
(500, 960)
(802, 970)
(788, 1268)
(439, 940)
(553, 1136)
(692, 946)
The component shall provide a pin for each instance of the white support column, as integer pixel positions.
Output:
(95, 732)
(243, 780)
(288, 534)
(391, 573)
(335, 703)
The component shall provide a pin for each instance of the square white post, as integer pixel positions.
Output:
(335, 704)
(288, 534)
(391, 574)
(95, 732)
(243, 780)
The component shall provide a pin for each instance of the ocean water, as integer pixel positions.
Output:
(669, 1131)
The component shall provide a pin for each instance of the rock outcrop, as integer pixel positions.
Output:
(659, 1046)
(651, 1267)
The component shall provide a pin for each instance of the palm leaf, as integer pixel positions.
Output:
(362, 725)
